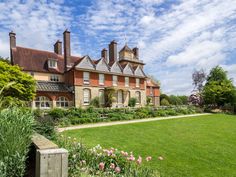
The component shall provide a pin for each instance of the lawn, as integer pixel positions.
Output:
(203, 146)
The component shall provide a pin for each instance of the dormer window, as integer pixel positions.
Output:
(52, 63)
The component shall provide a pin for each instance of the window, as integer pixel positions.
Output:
(54, 78)
(127, 81)
(62, 102)
(42, 102)
(86, 77)
(52, 63)
(101, 97)
(86, 96)
(114, 80)
(137, 82)
(101, 79)
(119, 96)
(151, 91)
(138, 97)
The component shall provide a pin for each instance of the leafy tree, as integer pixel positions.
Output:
(149, 99)
(219, 90)
(165, 102)
(164, 96)
(95, 102)
(109, 96)
(23, 87)
(198, 76)
(132, 102)
(184, 99)
(175, 100)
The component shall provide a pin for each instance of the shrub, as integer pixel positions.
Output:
(165, 102)
(132, 102)
(15, 138)
(57, 113)
(95, 102)
(149, 99)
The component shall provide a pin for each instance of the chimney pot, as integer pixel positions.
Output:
(104, 54)
(136, 52)
(58, 47)
(12, 36)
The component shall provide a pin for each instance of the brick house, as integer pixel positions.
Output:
(64, 80)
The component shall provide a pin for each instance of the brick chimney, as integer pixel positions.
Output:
(112, 51)
(136, 52)
(12, 36)
(104, 54)
(67, 51)
(58, 47)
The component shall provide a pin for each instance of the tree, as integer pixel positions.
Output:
(165, 102)
(132, 102)
(164, 96)
(184, 99)
(198, 76)
(23, 87)
(175, 100)
(219, 90)
(109, 96)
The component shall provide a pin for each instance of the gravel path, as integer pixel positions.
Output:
(102, 124)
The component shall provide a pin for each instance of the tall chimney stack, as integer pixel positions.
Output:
(67, 51)
(136, 52)
(58, 47)
(104, 54)
(12, 36)
(112, 51)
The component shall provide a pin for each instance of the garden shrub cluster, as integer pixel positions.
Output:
(83, 161)
(16, 128)
(73, 116)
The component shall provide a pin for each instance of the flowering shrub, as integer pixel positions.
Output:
(103, 162)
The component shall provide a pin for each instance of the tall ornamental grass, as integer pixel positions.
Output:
(16, 128)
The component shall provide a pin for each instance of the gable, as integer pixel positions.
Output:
(116, 68)
(139, 72)
(85, 63)
(102, 66)
(128, 70)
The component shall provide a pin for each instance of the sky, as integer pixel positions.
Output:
(175, 37)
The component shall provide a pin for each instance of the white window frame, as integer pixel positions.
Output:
(54, 78)
(101, 97)
(126, 81)
(52, 63)
(86, 98)
(119, 97)
(114, 80)
(101, 79)
(62, 102)
(137, 82)
(151, 90)
(42, 102)
(86, 77)
(138, 97)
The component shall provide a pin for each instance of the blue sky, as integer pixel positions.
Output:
(174, 36)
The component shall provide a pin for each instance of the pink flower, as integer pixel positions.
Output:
(117, 169)
(139, 161)
(148, 158)
(131, 158)
(124, 153)
(101, 166)
(160, 158)
(112, 166)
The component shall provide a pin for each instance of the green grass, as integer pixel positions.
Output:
(203, 146)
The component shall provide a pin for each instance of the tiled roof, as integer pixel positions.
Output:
(152, 83)
(51, 86)
(36, 60)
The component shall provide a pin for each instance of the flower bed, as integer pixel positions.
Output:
(104, 162)
(74, 116)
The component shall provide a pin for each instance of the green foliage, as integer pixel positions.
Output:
(184, 99)
(132, 102)
(149, 99)
(165, 102)
(15, 138)
(164, 96)
(175, 100)
(23, 87)
(109, 96)
(219, 90)
(57, 113)
(95, 102)
(6, 60)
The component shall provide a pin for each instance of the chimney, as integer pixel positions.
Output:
(112, 51)
(67, 52)
(58, 47)
(12, 39)
(136, 52)
(12, 36)
(104, 54)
